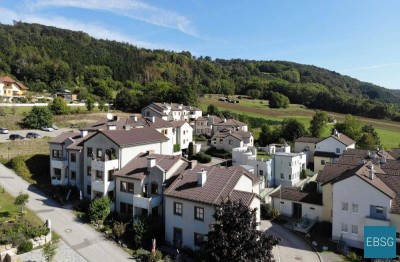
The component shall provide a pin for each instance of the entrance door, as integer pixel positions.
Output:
(177, 237)
(297, 210)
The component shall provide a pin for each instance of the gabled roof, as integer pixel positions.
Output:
(229, 122)
(137, 167)
(60, 139)
(331, 171)
(395, 153)
(78, 144)
(293, 194)
(219, 185)
(308, 139)
(135, 136)
(123, 122)
(177, 123)
(10, 80)
(241, 135)
(342, 138)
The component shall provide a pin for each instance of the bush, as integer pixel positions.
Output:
(177, 147)
(25, 247)
(212, 151)
(19, 166)
(267, 212)
(99, 209)
(277, 100)
(203, 158)
(303, 174)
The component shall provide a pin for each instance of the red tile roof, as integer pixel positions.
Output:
(293, 194)
(10, 80)
(122, 122)
(308, 139)
(135, 136)
(60, 139)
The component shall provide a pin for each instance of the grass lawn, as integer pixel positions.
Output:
(389, 131)
(9, 211)
(24, 147)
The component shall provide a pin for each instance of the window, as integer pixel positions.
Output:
(99, 152)
(89, 171)
(73, 157)
(154, 188)
(165, 131)
(345, 206)
(110, 174)
(178, 208)
(261, 172)
(99, 174)
(230, 142)
(89, 152)
(282, 176)
(57, 173)
(127, 187)
(89, 190)
(354, 208)
(312, 208)
(73, 175)
(282, 202)
(220, 140)
(337, 150)
(354, 229)
(198, 239)
(290, 177)
(177, 242)
(344, 227)
(57, 154)
(379, 210)
(322, 162)
(125, 208)
(199, 213)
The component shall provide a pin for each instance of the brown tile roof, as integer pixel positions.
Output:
(395, 153)
(60, 139)
(177, 123)
(219, 185)
(229, 122)
(245, 197)
(174, 106)
(137, 167)
(78, 144)
(308, 139)
(342, 138)
(331, 171)
(241, 135)
(10, 80)
(122, 122)
(135, 136)
(298, 196)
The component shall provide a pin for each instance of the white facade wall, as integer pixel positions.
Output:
(308, 148)
(286, 208)
(244, 184)
(183, 135)
(290, 166)
(128, 153)
(332, 145)
(355, 191)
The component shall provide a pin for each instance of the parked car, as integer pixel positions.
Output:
(15, 137)
(3, 130)
(33, 135)
(47, 128)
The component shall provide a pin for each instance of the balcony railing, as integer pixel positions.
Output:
(101, 186)
(104, 165)
(146, 203)
(374, 221)
(58, 163)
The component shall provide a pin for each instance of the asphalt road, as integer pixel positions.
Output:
(80, 237)
(4, 137)
(292, 247)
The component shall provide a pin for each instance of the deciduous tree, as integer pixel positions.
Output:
(38, 117)
(59, 106)
(318, 123)
(99, 209)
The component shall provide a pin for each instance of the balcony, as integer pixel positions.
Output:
(57, 181)
(58, 163)
(373, 221)
(146, 203)
(101, 186)
(104, 165)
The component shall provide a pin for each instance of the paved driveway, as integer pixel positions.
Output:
(4, 137)
(292, 247)
(80, 237)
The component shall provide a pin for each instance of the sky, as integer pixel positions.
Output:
(358, 38)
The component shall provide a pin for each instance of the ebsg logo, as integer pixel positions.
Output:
(379, 241)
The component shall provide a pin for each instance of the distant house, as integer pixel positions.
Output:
(67, 95)
(191, 199)
(183, 134)
(172, 112)
(227, 139)
(307, 145)
(9, 88)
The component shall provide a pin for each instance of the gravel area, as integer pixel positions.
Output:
(4, 137)
(64, 254)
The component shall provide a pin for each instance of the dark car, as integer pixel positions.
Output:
(15, 137)
(33, 135)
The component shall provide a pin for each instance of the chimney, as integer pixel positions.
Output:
(84, 133)
(192, 164)
(111, 127)
(133, 117)
(371, 174)
(151, 161)
(153, 119)
(149, 152)
(383, 160)
(201, 177)
(335, 133)
(224, 120)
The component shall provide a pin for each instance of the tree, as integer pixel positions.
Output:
(99, 209)
(254, 93)
(351, 127)
(59, 106)
(21, 201)
(268, 135)
(89, 104)
(277, 100)
(38, 117)
(49, 250)
(127, 101)
(235, 236)
(292, 129)
(318, 123)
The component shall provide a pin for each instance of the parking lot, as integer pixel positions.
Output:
(4, 137)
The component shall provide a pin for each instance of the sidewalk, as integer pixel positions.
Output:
(82, 238)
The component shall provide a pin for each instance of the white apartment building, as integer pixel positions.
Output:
(172, 112)
(182, 134)
(191, 199)
(227, 139)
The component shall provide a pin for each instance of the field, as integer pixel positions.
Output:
(15, 148)
(389, 131)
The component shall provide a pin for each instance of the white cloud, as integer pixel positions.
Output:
(129, 8)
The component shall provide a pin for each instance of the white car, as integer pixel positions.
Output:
(3, 130)
(48, 129)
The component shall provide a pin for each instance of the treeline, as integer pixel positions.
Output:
(52, 59)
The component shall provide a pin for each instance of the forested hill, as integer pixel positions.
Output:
(49, 58)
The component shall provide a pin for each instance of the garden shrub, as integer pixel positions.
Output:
(25, 246)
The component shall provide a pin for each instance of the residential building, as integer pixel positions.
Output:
(211, 124)
(227, 139)
(172, 112)
(307, 145)
(9, 88)
(191, 199)
(329, 149)
(182, 134)
(141, 182)
(67, 95)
